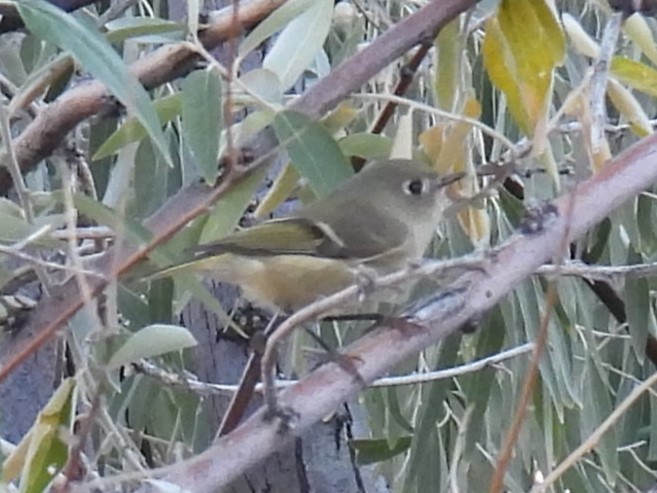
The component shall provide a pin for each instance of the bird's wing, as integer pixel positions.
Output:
(356, 238)
(288, 236)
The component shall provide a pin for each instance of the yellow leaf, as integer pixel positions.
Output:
(635, 74)
(629, 107)
(284, 185)
(340, 117)
(448, 53)
(476, 224)
(431, 141)
(523, 44)
(453, 154)
(42, 452)
(582, 42)
(638, 31)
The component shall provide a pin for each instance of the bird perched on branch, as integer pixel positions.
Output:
(376, 222)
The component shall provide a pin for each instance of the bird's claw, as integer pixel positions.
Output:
(286, 418)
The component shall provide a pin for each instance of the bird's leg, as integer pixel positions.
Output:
(242, 397)
(285, 415)
(343, 361)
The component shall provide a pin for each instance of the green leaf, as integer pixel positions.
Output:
(43, 452)
(273, 23)
(370, 451)
(366, 145)
(131, 27)
(637, 300)
(263, 84)
(299, 43)
(134, 231)
(202, 119)
(314, 153)
(230, 208)
(132, 130)
(431, 411)
(97, 56)
(596, 408)
(150, 341)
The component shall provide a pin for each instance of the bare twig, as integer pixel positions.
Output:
(599, 80)
(205, 389)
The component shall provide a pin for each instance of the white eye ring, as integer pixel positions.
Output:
(416, 187)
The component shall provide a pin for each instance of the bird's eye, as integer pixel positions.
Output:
(414, 187)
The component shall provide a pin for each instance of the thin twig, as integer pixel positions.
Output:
(487, 130)
(49, 265)
(205, 389)
(599, 80)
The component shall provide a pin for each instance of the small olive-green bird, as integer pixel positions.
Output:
(377, 222)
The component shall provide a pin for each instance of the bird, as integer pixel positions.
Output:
(378, 221)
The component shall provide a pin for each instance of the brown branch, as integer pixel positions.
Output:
(407, 73)
(41, 137)
(53, 312)
(376, 353)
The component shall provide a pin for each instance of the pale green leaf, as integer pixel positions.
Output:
(299, 43)
(313, 151)
(366, 145)
(150, 341)
(273, 23)
(97, 56)
(202, 120)
(131, 130)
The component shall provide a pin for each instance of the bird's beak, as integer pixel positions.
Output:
(450, 178)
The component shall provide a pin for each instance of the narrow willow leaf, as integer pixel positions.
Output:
(97, 56)
(637, 29)
(42, 452)
(448, 64)
(131, 130)
(314, 153)
(124, 28)
(635, 74)
(371, 451)
(402, 146)
(263, 84)
(281, 189)
(230, 208)
(366, 145)
(202, 120)
(150, 341)
(597, 407)
(637, 300)
(276, 21)
(299, 43)
(581, 40)
(628, 106)
(431, 411)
